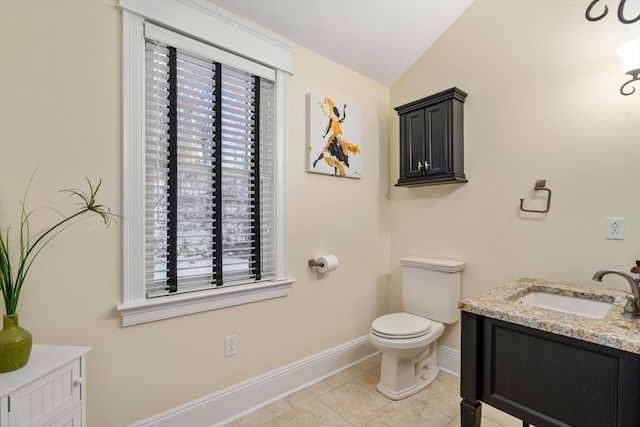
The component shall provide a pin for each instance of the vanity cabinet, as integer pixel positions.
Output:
(432, 139)
(545, 379)
(48, 391)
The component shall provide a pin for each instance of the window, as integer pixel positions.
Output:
(204, 224)
(209, 148)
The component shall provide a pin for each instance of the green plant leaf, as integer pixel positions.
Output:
(29, 247)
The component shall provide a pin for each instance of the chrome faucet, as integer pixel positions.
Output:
(631, 308)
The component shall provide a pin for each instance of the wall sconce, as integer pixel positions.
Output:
(621, 16)
(630, 51)
(630, 57)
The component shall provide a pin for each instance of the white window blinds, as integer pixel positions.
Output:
(209, 177)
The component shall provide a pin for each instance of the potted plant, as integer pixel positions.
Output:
(16, 260)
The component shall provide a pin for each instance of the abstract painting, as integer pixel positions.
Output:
(335, 138)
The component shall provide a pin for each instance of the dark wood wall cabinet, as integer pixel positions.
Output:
(432, 140)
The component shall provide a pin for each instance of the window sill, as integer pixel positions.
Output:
(134, 313)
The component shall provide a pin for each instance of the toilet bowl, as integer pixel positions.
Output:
(409, 353)
(408, 339)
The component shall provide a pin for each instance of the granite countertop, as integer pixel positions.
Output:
(614, 330)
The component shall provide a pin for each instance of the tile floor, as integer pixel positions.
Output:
(349, 398)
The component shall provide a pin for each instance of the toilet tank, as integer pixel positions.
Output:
(431, 287)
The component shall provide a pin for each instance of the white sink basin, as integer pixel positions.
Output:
(567, 304)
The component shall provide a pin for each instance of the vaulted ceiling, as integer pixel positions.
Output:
(380, 39)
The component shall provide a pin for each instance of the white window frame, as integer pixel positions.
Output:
(205, 22)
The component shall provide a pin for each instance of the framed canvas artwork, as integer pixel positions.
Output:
(335, 138)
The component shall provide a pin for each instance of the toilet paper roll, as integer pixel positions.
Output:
(327, 263)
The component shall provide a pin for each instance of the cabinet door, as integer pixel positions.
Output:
(47, 397)
(435, 142)
(551, 377)
(415, 140)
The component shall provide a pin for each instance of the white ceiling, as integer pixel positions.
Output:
(380, 39)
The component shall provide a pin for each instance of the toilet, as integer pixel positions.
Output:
(407, 340)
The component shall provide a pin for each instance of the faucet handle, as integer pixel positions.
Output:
(631, 308)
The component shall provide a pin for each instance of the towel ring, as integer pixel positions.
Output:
(540, 186)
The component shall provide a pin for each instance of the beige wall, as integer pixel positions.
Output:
(60, 108)
(543, 104)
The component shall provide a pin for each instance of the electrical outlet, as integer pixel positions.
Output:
(230, 345)
(615, 228)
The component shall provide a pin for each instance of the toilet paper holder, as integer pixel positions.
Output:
(325, 263)
(315, 263)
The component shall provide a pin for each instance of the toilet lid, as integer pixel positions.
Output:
(400, 326)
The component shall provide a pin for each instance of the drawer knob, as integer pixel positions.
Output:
(78, 381)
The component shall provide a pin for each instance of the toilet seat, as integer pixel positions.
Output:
(400, 326)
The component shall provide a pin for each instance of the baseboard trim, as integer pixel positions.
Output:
(449, 360)
(223, 407)
(231, 403)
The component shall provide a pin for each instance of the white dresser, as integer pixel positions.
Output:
(49, 391)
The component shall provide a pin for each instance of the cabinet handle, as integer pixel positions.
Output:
(78, 381)
(425, 167)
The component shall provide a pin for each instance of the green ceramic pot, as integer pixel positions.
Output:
(15, 345)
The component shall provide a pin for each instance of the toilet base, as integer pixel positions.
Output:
(425, 377)
(408, 366)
